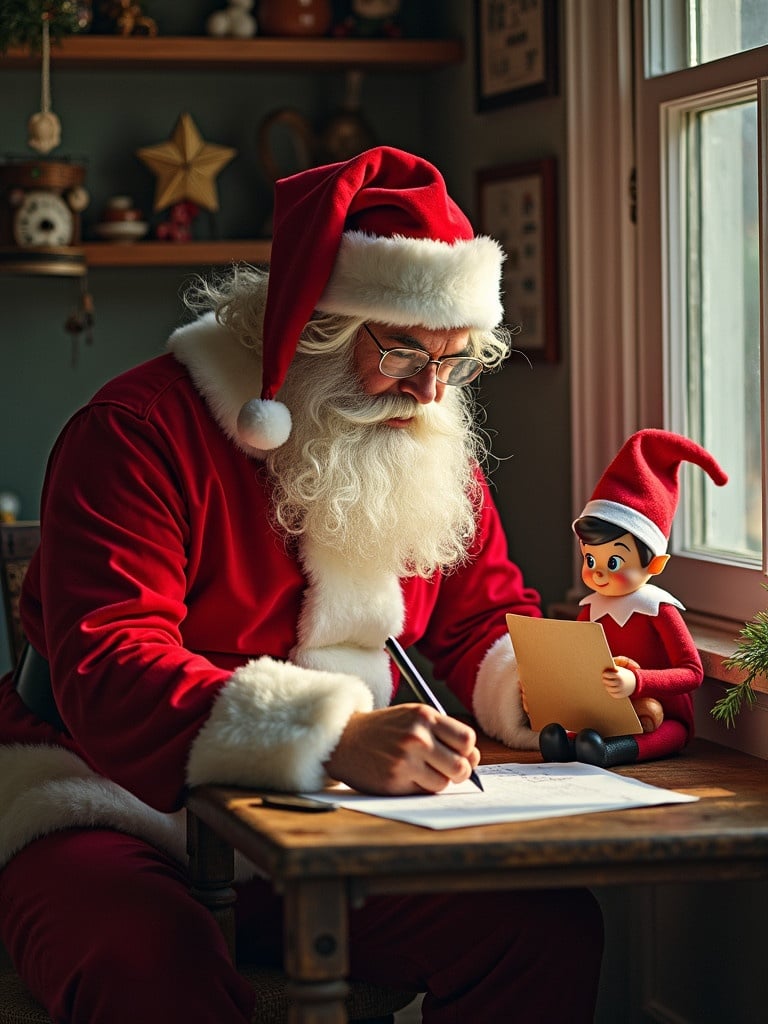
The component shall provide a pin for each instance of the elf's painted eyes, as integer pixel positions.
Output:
(613, 564)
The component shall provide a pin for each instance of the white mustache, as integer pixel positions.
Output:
(369, 409)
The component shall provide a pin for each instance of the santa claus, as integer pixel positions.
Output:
(230, 533)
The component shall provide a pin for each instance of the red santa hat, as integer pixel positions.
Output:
(377, 237)
(639, 490)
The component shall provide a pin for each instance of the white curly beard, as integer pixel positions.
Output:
(402, 501)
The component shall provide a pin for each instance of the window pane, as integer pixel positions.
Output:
(684, 33)
(721, 363)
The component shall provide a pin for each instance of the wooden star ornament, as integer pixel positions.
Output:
(186, 166)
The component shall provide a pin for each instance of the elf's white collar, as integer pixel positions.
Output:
(645, 601)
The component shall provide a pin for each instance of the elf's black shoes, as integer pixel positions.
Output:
(588, 746)
(555, 744)
(591, 748)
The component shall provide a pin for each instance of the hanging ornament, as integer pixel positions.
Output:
(44, 127)
(42, 198)
(79, 323)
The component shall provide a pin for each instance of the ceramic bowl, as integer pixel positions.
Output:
(122, 230)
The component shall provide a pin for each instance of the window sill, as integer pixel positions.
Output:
(716, 641)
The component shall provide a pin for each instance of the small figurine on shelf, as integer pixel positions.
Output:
(178, 226)
(235, 20)
(121, 221)
(10, 507)
(125, 18)
(623, 533)
(371, 19)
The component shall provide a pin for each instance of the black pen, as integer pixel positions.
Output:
(418, 684)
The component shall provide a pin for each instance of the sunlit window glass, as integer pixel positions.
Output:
(686, 33)
(720, 366)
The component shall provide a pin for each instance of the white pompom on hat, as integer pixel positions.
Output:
(378, 237)
(639, 490)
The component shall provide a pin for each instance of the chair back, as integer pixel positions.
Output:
(18, 542)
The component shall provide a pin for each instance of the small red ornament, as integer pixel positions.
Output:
(178, 227)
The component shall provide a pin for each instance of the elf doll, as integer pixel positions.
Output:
(623, 533)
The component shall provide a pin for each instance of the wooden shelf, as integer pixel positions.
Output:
(178, 52)
(176, 254)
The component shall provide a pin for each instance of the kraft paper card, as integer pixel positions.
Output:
(561, 664)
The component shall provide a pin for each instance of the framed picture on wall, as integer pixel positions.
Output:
(517, 205)
(516, 51)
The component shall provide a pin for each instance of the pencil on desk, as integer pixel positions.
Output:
(419, 685)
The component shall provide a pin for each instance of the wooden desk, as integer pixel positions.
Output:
(325, 863)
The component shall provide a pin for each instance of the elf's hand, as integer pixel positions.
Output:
(620, 681)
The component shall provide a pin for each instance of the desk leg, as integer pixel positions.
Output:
(212, 870)
(316, 950)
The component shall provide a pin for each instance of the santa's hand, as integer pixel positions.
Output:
(408, 748)
(620, 681)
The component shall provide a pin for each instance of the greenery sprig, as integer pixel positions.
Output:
(751, 658)
(21, 21)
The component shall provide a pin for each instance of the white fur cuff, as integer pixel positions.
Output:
(497, 700)
(274, 725)
(46, 789)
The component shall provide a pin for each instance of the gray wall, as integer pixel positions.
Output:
(107, 115)
(528, 409)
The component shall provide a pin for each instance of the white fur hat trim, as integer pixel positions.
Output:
(417, 281)
(631, 519)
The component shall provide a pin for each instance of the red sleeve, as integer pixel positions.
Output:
(110, 584)
(469, 614)
(684, 671)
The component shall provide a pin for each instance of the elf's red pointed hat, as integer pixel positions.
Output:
(377, 237)
(639, 490)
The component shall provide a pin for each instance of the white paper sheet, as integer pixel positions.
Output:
(512, 792)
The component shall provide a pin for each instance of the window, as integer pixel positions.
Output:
(685, 33)
(698, 145)
(666, 121)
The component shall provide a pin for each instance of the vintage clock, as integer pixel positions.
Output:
(40, 205)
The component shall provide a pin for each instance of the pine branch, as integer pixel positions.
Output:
(727, 708)
(751, 658)
(21, 21)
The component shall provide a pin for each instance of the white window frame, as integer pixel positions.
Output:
(617, 311)
(713, 589)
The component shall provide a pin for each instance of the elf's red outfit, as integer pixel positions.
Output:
(637, 495)
(188, 642)
(651, 631)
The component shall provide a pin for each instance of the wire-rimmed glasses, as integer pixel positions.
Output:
(400, 363)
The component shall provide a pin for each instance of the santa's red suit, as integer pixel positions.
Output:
(189, 643)
(647, 627)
